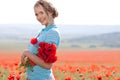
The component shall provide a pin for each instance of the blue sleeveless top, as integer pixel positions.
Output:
(49, 34)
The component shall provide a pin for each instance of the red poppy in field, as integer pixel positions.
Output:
(11, 77)
(99, 77)
(68, 78)
(118, 79)
(33, 41)
(18, 77)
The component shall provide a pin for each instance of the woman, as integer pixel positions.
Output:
(45, 14)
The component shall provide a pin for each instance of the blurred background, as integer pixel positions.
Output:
(88, 24)
(15, 37)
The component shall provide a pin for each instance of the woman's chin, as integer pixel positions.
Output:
(43, 23)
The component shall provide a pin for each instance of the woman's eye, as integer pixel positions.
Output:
(36, 14)
(41, 12)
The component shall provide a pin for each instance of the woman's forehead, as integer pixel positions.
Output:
(39, 7)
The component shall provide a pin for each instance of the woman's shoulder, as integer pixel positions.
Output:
(54, 30)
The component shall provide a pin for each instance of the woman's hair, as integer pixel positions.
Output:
(47, 6)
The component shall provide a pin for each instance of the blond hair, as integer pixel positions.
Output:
(47, 6)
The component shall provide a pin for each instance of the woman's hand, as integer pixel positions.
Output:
(38, 61)
(23, 56)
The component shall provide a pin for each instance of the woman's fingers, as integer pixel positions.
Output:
(23, 57)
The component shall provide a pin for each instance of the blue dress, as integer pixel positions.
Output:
(49, 34)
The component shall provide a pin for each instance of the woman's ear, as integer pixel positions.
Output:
(50, 13)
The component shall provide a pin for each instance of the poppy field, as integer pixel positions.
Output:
(71, 65)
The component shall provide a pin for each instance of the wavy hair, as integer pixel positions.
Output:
(47, 6)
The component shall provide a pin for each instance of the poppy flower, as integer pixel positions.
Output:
(33, 41)
(51, 59)
(32, 63)
(41, 53)
(47, 52)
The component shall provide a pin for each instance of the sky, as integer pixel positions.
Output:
(80, 12)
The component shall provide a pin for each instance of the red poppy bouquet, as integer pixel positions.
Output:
(46, 52)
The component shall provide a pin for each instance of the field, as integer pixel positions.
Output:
(71, 65)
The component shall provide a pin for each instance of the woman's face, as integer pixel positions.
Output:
(41, 15)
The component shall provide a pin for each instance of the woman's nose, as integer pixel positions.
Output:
(39, 17)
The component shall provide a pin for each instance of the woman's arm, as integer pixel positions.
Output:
(35, 59)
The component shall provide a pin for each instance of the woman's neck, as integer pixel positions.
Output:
(49, 23)
(50, 20)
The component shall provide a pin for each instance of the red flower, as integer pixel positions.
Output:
(47, 52)
(41, 53)
(50, 49)
(118, 79)
(33, 41)
(32, 63)
(11, 77)
(18, 77)
(99, 78)
(51, 59)
(68, 78)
